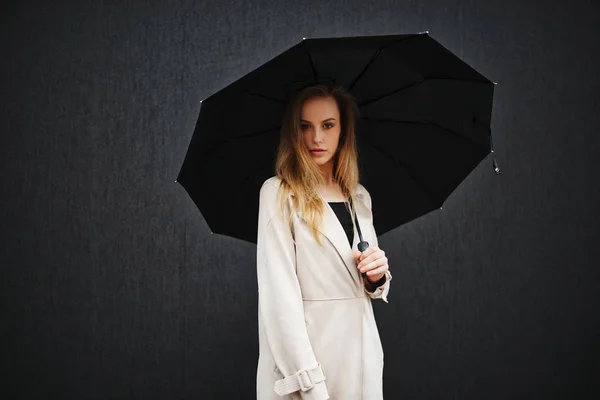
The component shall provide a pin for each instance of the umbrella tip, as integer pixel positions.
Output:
(495, 83)
(496, 168)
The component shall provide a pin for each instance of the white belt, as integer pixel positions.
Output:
(303, 380)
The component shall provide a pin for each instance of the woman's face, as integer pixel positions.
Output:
(321, 128)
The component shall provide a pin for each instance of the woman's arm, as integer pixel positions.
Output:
(379, 289)
(371, 286)
(280, 300)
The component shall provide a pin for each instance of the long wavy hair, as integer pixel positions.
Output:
(299, 173)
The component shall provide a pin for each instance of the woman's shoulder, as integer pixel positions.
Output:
(361, 191)
(272, 184)
(272, 181)
(270, 188)
(269, 197)
(363, 194)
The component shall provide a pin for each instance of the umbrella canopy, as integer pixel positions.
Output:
(424, 125)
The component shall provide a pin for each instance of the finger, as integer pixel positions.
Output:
(368, 260)
(356, 254)
(372, 257)
(370, 250)
(376, 271)
(374, 264)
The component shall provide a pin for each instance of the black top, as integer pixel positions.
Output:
(339, 207)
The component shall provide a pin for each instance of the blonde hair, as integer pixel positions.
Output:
(296, 169)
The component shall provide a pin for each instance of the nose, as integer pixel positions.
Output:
(318, 136)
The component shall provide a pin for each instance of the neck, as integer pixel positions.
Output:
(327, 173)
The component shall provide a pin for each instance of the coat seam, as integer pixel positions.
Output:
(334, 299)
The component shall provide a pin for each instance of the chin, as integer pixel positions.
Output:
(321, 162)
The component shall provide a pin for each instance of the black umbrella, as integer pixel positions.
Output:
(424, 126)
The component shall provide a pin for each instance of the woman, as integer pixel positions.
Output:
(317, 333)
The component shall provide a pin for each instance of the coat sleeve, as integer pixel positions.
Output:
(382, 290)
(280, 299)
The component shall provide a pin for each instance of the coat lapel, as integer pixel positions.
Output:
(333, 230)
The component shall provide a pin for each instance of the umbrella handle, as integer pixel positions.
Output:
(362, 246)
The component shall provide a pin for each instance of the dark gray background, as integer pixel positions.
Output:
(114, 288)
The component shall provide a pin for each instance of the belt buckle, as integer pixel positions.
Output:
(300, 375)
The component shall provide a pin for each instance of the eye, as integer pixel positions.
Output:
(304, 126)
(329, 125)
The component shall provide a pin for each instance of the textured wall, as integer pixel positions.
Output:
(113, 287)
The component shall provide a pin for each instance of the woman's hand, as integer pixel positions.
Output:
(372, 261)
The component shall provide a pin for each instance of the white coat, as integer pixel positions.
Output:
(318, 338)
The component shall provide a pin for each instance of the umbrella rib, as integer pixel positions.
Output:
(366, 102)
(312, 65)
(251, 134)
(373, 58)
(404, 167)
(391, 93)
(314, 72)
(426, 123)
(265, 97)
(221, 142)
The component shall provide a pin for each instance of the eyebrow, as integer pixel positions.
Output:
(325, 120)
